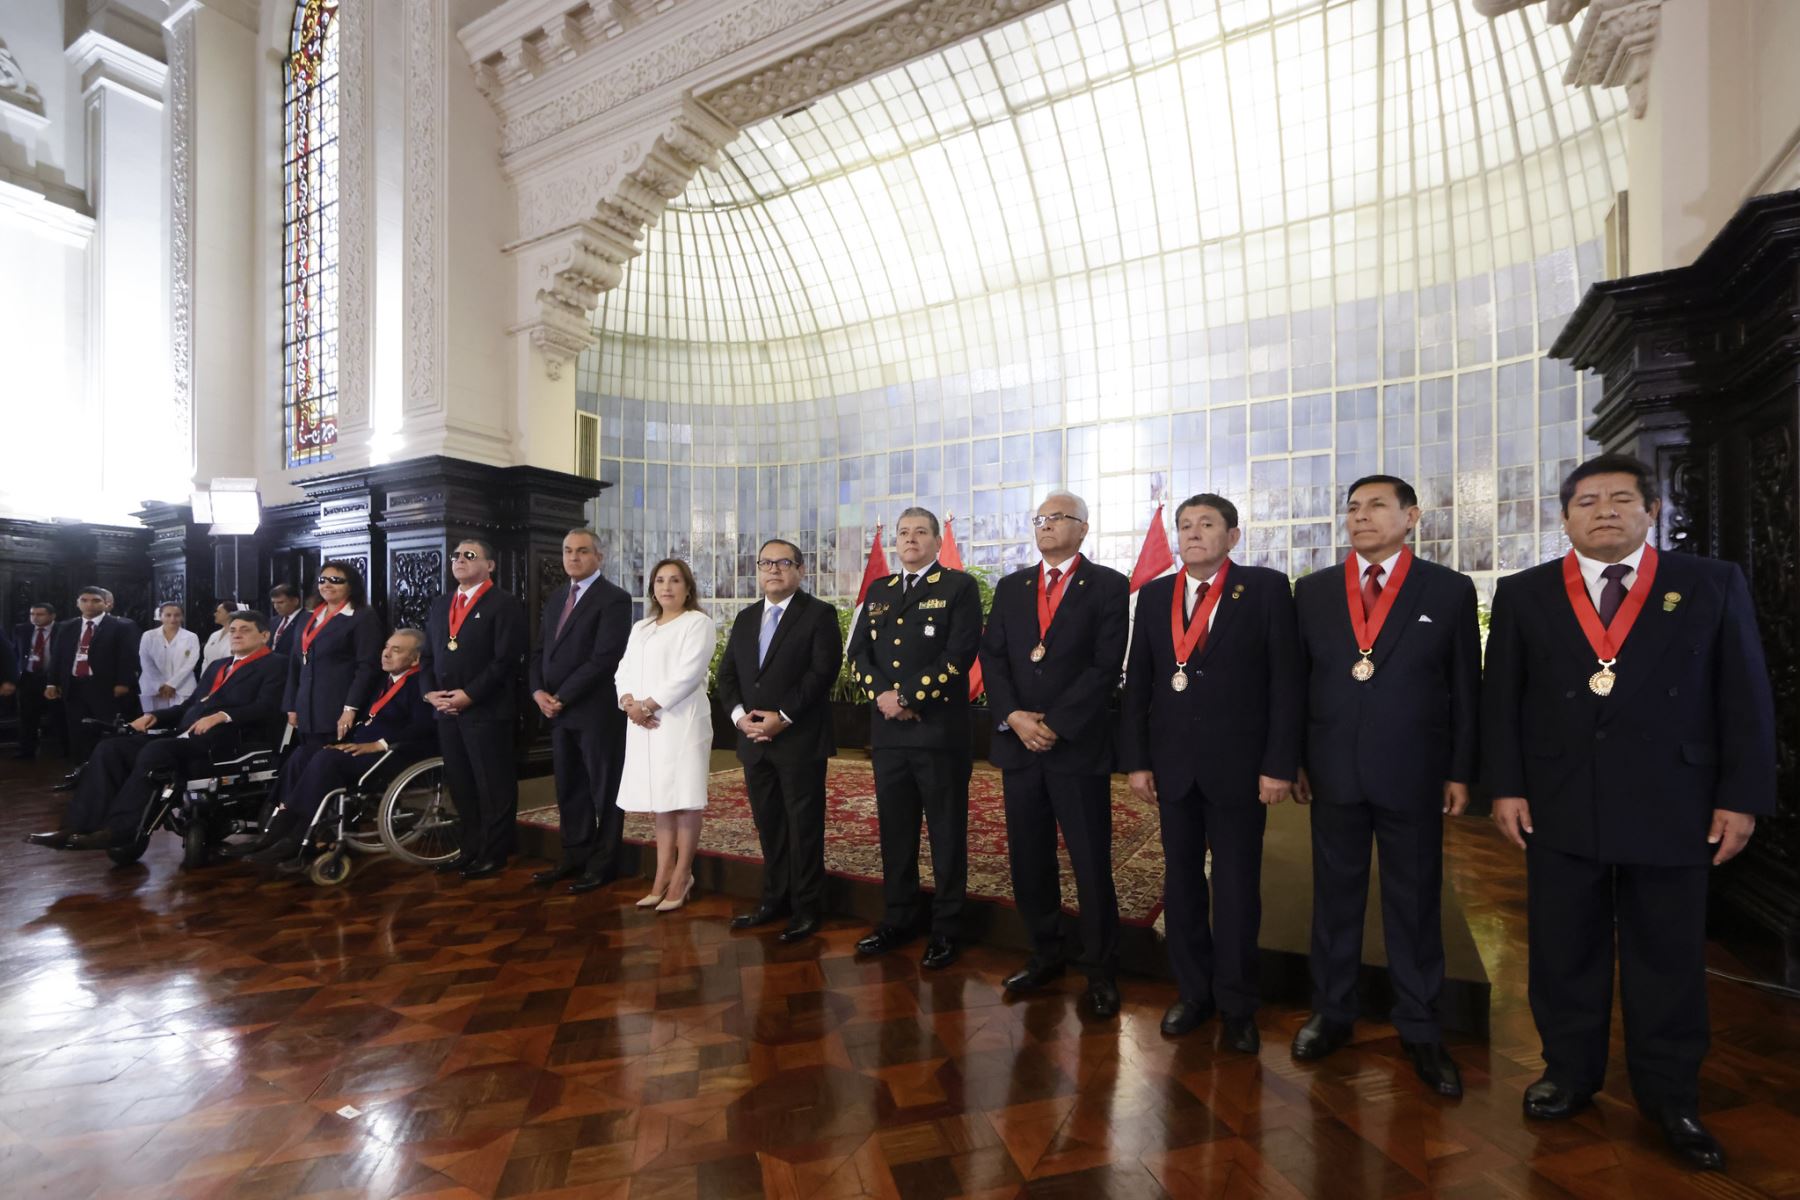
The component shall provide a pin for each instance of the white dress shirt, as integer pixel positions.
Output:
(1192, 587)
(1386, 565)
(1596, 583)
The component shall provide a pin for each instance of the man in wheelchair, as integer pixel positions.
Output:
(399, 722)
(235, 709)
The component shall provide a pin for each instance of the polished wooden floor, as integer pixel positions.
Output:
(216, 1034)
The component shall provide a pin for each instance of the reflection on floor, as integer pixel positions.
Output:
(220, 1034)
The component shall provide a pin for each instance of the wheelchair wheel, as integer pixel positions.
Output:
(196, 846)
(129, 853)
(362, 827)
(329, 870)
(419, 821)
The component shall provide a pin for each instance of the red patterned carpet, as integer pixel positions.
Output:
(852, 847)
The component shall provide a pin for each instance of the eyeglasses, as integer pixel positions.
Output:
(1046, 520)
(339, 580)
(776, 564)
(467, 555)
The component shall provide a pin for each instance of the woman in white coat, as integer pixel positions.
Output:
(168, 661)
(662, 689)
(216, 645)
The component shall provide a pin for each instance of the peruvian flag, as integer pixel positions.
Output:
(873, 573)
(950, 556)
(1154, 558)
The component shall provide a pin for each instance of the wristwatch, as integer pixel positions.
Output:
(900, 697)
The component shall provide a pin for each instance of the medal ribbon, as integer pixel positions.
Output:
(315, 627)
(228, 672)
(1602, 639)
(1187, 639)
(393, 689)
(459, 608)
(1046, 605)
(1367, 626)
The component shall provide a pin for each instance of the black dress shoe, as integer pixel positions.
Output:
(454, 866)
(1185, 1016)
(799, 929)
(65, 784)
(275, 852)
(1319, 1037)
(1241, 1035)
(103, 839)
(1032, 976)
(589, 883)
(881, 939)
(1435, 1067)
(555, 874)
(762, 914)
(1688, 1138)
(56, 839)
(940, 952)
(1101, 1000)
(484, 868)
(1548, 1100)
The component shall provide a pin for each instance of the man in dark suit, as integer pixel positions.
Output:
(236, 708)
(476, 641)
(581, 638)
(1628, 740)
(399, 721)
(1391, 648)
(1210, 733)
(285, 619)
(912, 647)
(1054, 647)
(33, 641)
(775, 680)
(94, 669)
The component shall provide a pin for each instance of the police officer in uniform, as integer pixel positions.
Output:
(912, 648)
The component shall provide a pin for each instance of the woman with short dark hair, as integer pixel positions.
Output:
(332, 676)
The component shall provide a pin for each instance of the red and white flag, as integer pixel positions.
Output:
(950, 556)
(873, 573)
(1154, 558)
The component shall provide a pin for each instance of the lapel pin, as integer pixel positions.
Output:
(1670, 600)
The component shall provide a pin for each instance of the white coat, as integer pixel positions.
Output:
(160, 661)
(666, 767)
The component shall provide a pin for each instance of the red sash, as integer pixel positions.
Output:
(393, 690)
(315, 626)
(459, 608)
(1194, 634)
(1368, 625)
(1605, 640)
(228, 672)
(1046, 603)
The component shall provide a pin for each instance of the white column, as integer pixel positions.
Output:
(129, 420)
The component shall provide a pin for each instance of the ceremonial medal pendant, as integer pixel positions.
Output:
(1179, 680)
(452, 643)
(1037, 652)
(1364, 670)
(1601, 682)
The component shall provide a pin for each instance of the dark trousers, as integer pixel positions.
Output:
(1410, 843)
(787, 801)
(1573, 907)
(478, 766)
(934, 784)
(90, 697)
(1214, 961)
(33, 709)
(115, 788)
(1037, 802)
(587, 761)
(309, 774)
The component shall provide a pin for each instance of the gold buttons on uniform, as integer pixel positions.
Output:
(896, 641)
(899, 620)
(921, 694)
(924, 679)
(935, 693)
(943, 679)
(896, 662)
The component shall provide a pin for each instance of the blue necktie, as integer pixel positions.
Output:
(771, 619)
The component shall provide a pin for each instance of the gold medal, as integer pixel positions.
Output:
(1364, 670)
(1601, 682)
(452, 643)
(1179, 680)
(1037, 652)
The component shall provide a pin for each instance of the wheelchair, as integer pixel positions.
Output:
(399, 807)
(204, 812)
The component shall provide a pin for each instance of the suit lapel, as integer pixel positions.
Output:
(789, 615)
(1563, 620)
(1074, 588)
(1401, 617)
(1651, 633)
(1225, 615)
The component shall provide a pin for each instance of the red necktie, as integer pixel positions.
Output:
(1055, 595)
(40, 650)
(1200, 599)
(82, 668)
(1371, 589)
(462, 602)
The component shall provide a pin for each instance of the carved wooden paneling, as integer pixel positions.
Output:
(415, 579)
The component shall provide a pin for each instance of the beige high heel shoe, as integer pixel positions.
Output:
(671, 904)
(652, 900)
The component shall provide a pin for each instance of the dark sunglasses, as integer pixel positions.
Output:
(467, 555)
(337, 579)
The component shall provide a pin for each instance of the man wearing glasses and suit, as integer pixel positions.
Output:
(582, 637)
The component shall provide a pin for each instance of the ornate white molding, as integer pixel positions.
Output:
(182, 41)
(16, 91)
(101, 61)
(426, 30)
(1614, 49)
(64, 219)
(353, 217)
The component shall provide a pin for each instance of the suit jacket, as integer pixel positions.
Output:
(340, 671)
(1689, 727)
(289, 641)
(1242, 712)
(577, 664)
(1392, 741)
(1073, 684)
(23, 636)
(251, 698)
(490, 649)
(794, 678)
(406, 722)
(922, 642)
(112, 655)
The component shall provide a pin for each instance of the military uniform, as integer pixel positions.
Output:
(921, 641)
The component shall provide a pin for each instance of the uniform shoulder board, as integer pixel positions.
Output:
(934, 577)
(893, 581)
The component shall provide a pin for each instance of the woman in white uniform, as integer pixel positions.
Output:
(662, 689)
(216, 645)
(168, 661)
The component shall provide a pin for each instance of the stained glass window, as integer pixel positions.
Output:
(310, 215)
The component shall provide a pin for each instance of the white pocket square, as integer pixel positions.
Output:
(1425, 617)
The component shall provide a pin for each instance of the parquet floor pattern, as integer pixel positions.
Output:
(224, 1034)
